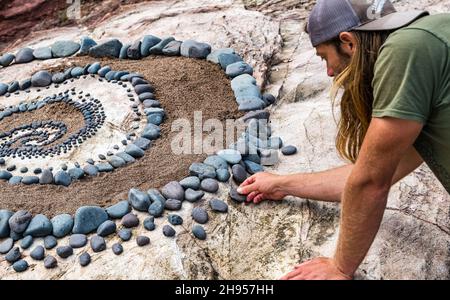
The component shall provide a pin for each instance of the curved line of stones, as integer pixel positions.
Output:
(241, 160)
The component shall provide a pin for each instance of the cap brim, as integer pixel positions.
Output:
(392, 21)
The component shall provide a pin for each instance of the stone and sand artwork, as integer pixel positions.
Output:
(116, 163)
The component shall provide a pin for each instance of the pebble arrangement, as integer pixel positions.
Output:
(41, 139)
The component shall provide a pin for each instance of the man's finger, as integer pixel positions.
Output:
(245, 190)
(259, 198)
(251, 196)
(291, 274)
(248, 181)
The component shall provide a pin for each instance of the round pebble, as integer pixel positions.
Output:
(98, 243)
(78, 240)
(50, 242)
(199, 232)
(125, 234)
(20, 266)
(142, 240)
(64, 251)
(289, 150)
(175, 219)
(13, 255)
(209, 185)
(218, 205)
(26, 242)
(85, 259)
(149, 224)
(130, 220)
(168, 231)
(38, 253)
(117, 249)
(50, 262)
(200, 215)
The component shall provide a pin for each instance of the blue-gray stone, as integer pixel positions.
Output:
(78, 240)
(226, 59)
(43, 53)
(173, 190)
(230, 155)
(151, 103)
(118, 210)
(145, 96)
(62, 225)
(193, 195)
(15, 236)
(238, 68)
(85, 259)
(20, 221)
(250, 103)
(223, 175)
(76, 173)
(149, 224)
(86, 44)
(147, 43)
(175, 219)
(156, 209)
(6, 245)
(193, 49)
(269, 98)
(218, 205)
(289, 150)
(105, 167)
(156, 196)
(154, 110)
(50, 242)
(3, 89)
(134, 51)
(77, 72)
(90, 170)
(125, 234)
(13, 255)
(209, 185)
(116, 161)
(98, 243)
(139, 200)
(192, 182)
(168, 231)
(58, 78)
(242, 81)
(120, 74)
(25, 84)
(30, 180)
(41, 79)
(6, 59)
(123, 51)
(88, 218)
(13, 86)
(64, 251)
(173, 48)
(5, 175)
(20, 266)
(46, 177)
(252, 167)
(199, 232)
(130, 220)
(110, 75)
(94, 68)
(155, 119)
(39, 226)
(38, 253)
(142, 143)
(214, 56)
(239, 173)
(200, 215)
(173, 204)
(63, 178)
(236, 196)
(106, 228)
(5, 215)
(67, 73)
(202, 170)
(216, 161)
(126, 157)
(142, 240)
(108, 49)
(117, 249)
(64, 48)
(50, 262)
(157, 49)
(103, 71)
(134, 151)
(151, 132)
(24, 55)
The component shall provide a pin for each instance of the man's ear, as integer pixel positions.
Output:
(348, 42)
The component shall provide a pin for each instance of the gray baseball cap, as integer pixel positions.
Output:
(328, 18)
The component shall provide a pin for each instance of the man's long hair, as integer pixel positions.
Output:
(357, 99)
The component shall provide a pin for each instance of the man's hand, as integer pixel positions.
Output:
(262, 186)
(321, 268)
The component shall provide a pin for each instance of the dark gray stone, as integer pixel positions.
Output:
(118, 210)
(24, 55)
(25, 84)
(43, 53)
(103, 71)
(26, 242)
(20, 266)
(191, 182)
(173, 204)
(86, 44)
(142, 241)
(58, 78)
(193, 49)
(218, 205)
(19, 221)
(269, 98)
(168, 231)
(64, 48)
(214, 55)
(39, 226)
(251, 103)
(289, 150)
(85, 259)
(94, 68)
(63, 178)
(105, 167)
(223, 175)
(116, 161)
(50, 242)
(46, 177)
(6, 60)
(151, 132)
(5, 175)
(236, 196)
(64, 251)
(106, 228)
(125, 234)
(238, 68)
(3, 89)
(209, 185)
(130, 220)
(200, 215)
(126, 157)
(124, 51)
(199, 232)
(202, 170)
(226, 59)
(139, 200)
(142, 143)
(41, 79)
(50, 262)
(78, 240)
(158, 48)
(38, 253)
(15, 236)
(134, 51)
(253, 167)
(149, 223)
(156, 209)
(173, 190)
(147, 43)
(90, 170)
(193, 195)
(117, 249)
(173, 48)
(216, 161)
(76, 173)
(5, 215)
(175, 219)
(98, 243)
(88, 218)
(232, 156)
(239, 173)
(108, 49)
(6, 245)
(134, 151)
(28, 180)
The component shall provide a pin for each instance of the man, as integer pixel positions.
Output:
(394, 69)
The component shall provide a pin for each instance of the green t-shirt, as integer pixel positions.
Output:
(412, 82)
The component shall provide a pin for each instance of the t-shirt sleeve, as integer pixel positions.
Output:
(405, 74)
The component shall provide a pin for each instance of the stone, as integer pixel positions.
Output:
(252, 167)
(124, 234)
(134, 51)
(134, 151)
(217, 162)
(6, 245)
(238, 68)
(86, 43)
(39, 226)
(50, 262)
(117, 249)
(62, 178)
(202, 170)
(50, 242)
(218, 205)
(88, 218)
(200, 215)
(5, 215)
(108, 49)
(106, 228)
(139, 200)
(58, 78)
(5, 175)
(156, 209)
(19, 221)
(143, 96)
(85, 259)
(64, 48)
(230, 155)
(105, 167)
(191, 182)
(13, 86)
(20, 266)
(147, 43)
(38, 253)
(3, 89)
(98, 243)
(175, 219)
(78, 240)
(90, 170)
(251, 103)
(41, 79)
(149, 223)
(142, 143)
(46, 177)
(94, 68)
(43, 53)
(126, 157)
(123, 54)
(236, 196)
(15, 180)
(173, 190)
(155, 196)
(76, 173)
(199, 232)
(192, 195)
(223, 175)
(64, 251)
(226, 59)
(151, 132)
(24, 55)
(193, 49)
(243, 81)
(28, 180)
(142, 240)
(269, 98)
(116, 161)
(26, 242)
(289, 150)
(168, 231)
(130, 220)
(157, 49)
(15, 236)
(6, 59)
(151, 103)
(209, 185)
(103, 71)
(214, 55)
(239, 173)
(25, 84)
(173, 204)
(110, 75)
(173, 48)
(77, 72)
(118, 210)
